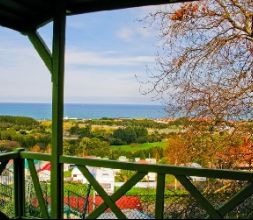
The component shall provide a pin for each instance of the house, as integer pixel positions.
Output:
(77, 176)
(45, 172)
(104, 176)
(151, 177)
(7, 176)
(123, 159)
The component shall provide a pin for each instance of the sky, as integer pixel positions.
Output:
(106, 54)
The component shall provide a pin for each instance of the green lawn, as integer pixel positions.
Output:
(137, 147)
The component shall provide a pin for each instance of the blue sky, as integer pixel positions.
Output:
(105, 52)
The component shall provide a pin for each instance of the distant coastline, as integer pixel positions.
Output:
(42, 111)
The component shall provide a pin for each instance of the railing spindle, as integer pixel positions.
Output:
(159, 207)
(19, 186)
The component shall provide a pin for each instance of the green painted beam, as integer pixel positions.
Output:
(9, 156)
(117, 195)
(41, 48)
(35, 156)
(38, 191)
(58, 58)
(173, 170)
(27, 217)
(237, 199)
(202, 201)
(107, 199)
(18, 8)
(40, 12)
(159, 207)
(250, 216)
(84, 6)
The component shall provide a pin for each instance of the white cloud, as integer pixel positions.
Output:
(23, 76)
(102, 87)
(125, 34)
(129, 34)
(77, 57)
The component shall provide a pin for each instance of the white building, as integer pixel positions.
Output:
(196, 178)
(123, 159)
(45, 172)
(77, 176)
(151, 177)
(104, 176)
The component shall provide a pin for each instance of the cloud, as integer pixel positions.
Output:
(129, 34)
(106, 86)
(24, 77)
(125, 34)
(77, 57)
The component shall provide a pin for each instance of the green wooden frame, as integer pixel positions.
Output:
(181, 173)
(117, 195)
(55, 62)
(38, 191)
(17, 17)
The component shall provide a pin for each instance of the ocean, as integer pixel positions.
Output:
(84, 111)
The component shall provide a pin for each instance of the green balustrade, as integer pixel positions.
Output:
(109, 201)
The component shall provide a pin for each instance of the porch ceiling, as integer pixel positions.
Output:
(29, 15)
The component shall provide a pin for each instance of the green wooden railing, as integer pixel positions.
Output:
(182, 174)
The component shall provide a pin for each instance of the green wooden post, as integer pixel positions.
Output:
(19, 186)
(159, 207)
(58, 61)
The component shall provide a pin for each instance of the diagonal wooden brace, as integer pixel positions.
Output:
(3, 166)
(107, 199)
(117, 195)
(38, 190)
(206, 205)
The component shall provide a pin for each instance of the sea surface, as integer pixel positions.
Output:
(84, 111)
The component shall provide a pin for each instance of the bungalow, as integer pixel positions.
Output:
(104, 176)
(151, 177)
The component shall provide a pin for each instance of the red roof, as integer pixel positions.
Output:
(125, 202)
(77, 203)
(143, 162)
(46, 167)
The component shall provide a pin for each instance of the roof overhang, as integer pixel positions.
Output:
(29, 15)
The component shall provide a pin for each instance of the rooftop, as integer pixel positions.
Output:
(29, 15)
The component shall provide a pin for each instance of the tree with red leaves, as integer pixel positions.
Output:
(237, 157)
(206, 62)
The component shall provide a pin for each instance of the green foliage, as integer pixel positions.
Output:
(124, 175)
(23, 131)
(70, 146)
(129, 135)
(25, 140)
(94, 146)
(67, 173)
(8, 145)
(138, 147)
(147, 123)
(9, 121)
(77, 188)
(7, 207)
(146, 150)
(125, 135)
(82, 132)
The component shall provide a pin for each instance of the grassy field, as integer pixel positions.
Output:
(137, 147)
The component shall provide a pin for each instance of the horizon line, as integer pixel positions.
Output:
(84, 103)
